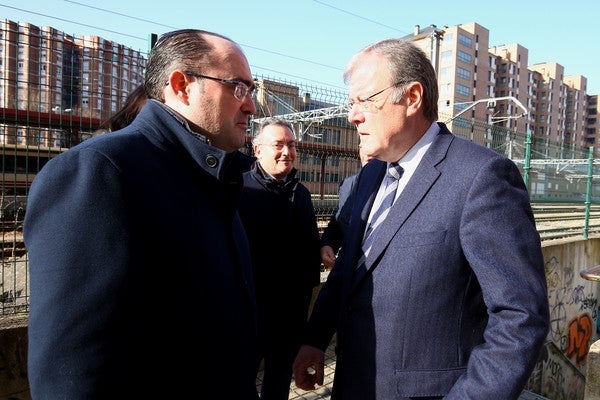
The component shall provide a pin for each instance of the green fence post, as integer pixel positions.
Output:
(152, 38)
(588, 193)
(527, 164)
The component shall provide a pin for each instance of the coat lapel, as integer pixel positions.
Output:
(419, 185)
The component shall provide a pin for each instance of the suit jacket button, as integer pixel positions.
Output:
(211, 161)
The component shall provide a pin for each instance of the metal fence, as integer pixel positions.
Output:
(58, 92)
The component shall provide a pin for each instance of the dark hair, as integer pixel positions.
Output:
(407, 63)
(133, 104)
(186, 49)
(271, 121)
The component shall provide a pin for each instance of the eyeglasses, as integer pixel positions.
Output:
(241, 88)
(367, 103)
(280, 145)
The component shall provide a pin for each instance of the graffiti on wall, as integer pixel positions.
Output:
(573, 301)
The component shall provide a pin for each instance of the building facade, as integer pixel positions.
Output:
(55, 90)
(56, 80)
(497, 85)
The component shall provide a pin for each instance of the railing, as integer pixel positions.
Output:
(554, 221)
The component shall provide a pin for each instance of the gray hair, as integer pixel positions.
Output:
(271, 121)
(185, 49)
(407, 63)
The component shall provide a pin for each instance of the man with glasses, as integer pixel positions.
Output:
(141, 282)
(440, 289)
(279, 218)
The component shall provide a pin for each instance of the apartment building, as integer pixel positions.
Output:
(575, 111)
(55, 90)
(63, 86)
(514, 80)
(551, 102)
(109, 72)
(592, 124)
(497, 86)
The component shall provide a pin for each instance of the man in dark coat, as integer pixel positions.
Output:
(443, 293)
(334, 232)
(141, 283)
(279, 218)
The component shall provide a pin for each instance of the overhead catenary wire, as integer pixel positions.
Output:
(145, 39)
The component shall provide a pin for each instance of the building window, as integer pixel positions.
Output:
(465, 40)
(466, 57)
(462, 89)
(463, 73)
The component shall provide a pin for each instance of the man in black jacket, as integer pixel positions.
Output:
(279, 218)
(141, 285)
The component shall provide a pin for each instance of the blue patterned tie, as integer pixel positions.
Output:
(390, 181)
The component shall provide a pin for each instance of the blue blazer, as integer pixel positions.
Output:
(334, 232)
(454, 301)
(141, 284)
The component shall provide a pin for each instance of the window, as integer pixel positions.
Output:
(463, 73)
(465, 40)
(466, 57)
(462, 89)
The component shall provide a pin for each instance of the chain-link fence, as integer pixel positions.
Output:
(56, 90)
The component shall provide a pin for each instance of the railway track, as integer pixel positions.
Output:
(553, 221)
(558, 221)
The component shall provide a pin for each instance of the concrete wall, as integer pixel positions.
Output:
(13, 359)
(559, 374)
(561, 370)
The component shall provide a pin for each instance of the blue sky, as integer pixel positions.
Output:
(311, 40)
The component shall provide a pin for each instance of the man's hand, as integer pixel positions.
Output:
(327, 256)
(309, 367)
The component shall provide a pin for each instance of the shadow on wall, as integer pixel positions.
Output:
(13, 359)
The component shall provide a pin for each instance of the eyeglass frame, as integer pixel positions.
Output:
(280, 145)
(368, 102)
(240, 86)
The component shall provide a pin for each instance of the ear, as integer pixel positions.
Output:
(414, 98)
(177, 86)
(256, 150)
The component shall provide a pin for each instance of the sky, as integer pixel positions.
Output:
(312, 40)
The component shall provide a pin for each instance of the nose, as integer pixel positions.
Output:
(286, 150)
(355, 116)
(248, 105)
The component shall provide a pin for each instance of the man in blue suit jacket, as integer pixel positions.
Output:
(334, 232)
(451, 301)
(141, 284)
